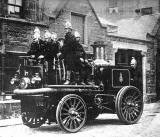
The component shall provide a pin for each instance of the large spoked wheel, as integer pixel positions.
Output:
(71, 113)
(129, 104)
(34, 118)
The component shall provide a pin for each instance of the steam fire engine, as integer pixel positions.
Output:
(71, 106)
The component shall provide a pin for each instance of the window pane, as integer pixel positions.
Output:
(112, 3)
(17, 10)
(10, 9)
(19, 2)
(11, 1)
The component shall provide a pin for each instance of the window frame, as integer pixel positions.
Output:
(144, 11)
(19, 15)
(84, 25)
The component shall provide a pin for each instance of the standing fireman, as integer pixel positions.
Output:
(36, 48)
(68, 52)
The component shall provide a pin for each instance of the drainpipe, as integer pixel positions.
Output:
(3, 57)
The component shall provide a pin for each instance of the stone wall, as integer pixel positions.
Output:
(17, 36)
(150, 63)
(93, 29)
(10, 109)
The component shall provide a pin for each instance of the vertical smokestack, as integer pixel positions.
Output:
(99, 52)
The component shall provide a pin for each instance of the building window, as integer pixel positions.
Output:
(113, 6)
(14, 7)
(78, 23)
(112, 3)
(122, 57)
(144, 11)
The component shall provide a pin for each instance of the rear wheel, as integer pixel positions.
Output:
(34, 118)
(71, 113)
(129, 104)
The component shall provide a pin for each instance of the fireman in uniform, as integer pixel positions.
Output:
(135, 74)
(48, 56)
(55, 46)
(36, 48)
(68, 52)
(81, 62)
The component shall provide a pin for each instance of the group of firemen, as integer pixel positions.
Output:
(68, 49)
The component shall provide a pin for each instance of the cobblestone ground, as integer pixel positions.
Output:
(106, 125)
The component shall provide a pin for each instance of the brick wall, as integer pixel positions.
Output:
(17, 36)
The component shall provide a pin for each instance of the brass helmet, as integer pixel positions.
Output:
(68, 25)
(53, 36)
(47, 34)
(76, 34)
(36, 34)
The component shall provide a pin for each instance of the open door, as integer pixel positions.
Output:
(123, 58)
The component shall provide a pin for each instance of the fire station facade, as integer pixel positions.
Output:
(18, 19)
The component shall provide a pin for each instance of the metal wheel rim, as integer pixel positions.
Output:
(131, 105)
(73, 114)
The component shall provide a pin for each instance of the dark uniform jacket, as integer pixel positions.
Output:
(79, 51)
(68, 51)
(51, 50)
(37, 48)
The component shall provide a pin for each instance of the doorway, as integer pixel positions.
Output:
(123, 58)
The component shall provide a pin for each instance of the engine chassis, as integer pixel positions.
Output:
(47, 104)
(71, 106)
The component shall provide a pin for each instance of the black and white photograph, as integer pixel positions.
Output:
(80, 68)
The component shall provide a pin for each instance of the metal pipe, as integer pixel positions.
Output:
(51, 90)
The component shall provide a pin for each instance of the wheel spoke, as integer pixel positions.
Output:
(71, 126)
(74, 102)
(77, 104)
(70, 102)
(66, 121)
(74, 123)
(78, 122)
(135, 109)
(129, 116)
(36, 120)
(67, 105)
(137, 97)
(79, 108)
(65, 109)
(65, 114)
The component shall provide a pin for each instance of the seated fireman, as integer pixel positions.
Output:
(81, 62)
(68, 52)
(36, 48)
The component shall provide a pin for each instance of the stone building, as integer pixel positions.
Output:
(135, 21)
(19, 17)
(17, 21)
(123, 40)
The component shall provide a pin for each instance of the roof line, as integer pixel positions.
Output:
(122, 37)
(60, 6)
(95, 14)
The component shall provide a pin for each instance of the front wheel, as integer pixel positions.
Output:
(129, 104)
(71, 113)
